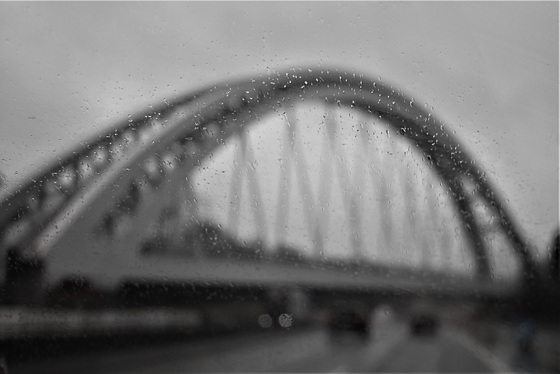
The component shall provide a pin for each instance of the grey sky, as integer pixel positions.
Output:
(490, 70)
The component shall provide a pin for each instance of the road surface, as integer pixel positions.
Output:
(390, 348)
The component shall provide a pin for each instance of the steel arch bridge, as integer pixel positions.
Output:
(74, 211)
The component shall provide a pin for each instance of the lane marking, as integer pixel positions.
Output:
(495, 363)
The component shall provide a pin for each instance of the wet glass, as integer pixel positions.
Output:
(284, 187)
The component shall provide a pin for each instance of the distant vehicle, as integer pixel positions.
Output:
(351, 316)
(424, 323)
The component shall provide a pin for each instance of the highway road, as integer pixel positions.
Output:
(390, 348)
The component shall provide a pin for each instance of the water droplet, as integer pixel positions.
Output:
(285, 320)
(265, 321)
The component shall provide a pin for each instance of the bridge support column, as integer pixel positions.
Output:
(24, 280)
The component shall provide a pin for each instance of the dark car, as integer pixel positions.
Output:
(424, 324)
(349, 317)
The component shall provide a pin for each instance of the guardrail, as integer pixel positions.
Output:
(29, 323)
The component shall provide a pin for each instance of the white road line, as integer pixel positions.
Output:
(492, 361)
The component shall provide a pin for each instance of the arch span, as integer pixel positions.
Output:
(105, 178)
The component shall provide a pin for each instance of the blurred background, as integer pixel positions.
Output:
(70, 72)
(489, 69)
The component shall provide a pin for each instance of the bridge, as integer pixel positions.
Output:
(317, 179)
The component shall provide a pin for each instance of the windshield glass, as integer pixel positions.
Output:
(284, 187)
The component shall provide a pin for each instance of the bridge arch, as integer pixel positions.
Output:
(140, 153)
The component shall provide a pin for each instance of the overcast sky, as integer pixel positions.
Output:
(490, 70)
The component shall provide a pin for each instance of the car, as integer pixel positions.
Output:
(423, 324)
(349, 317)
